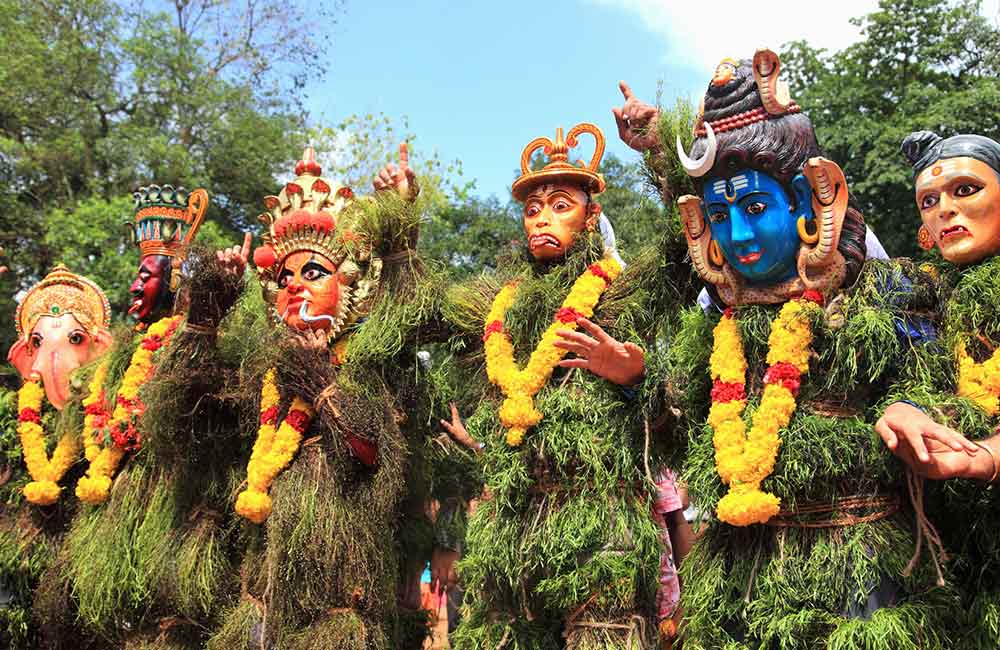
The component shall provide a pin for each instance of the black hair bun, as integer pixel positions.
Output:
(917, 143)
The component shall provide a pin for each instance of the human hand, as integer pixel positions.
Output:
(456, 429)
(620, 363)
(443, 574)
(930, 449)
(402, 178)
(636, 121)
(233, 260)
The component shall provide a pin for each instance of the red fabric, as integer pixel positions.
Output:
(785, 374)
(727, 392)
(29, 415)
(365, 450)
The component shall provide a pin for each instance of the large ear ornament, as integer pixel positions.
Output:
(773, 93)
(698, 236)
(829, 200)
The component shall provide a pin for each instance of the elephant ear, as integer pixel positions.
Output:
(102, 341)
(20, 357)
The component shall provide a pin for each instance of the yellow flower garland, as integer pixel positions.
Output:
(273, 450)
(43, 490)
(979, 382)
(95, 486)
(518, 412)
(744, 460)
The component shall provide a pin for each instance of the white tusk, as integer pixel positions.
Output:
(700, 167)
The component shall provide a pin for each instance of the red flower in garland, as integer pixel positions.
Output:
(492, 328)
(298, 420)
(568, 315)
(727, 392)
(813, 296)
(785, 374)
(29, 415)
(599, 272)
(269, 416)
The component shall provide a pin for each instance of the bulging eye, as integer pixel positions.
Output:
(532, 210)
(36, 342)
(757, 208)
(283, 281)
(77, 338)
(928, 201)
(561, 206)
(718, 217)
(967, 189)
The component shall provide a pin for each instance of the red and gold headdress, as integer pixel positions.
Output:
(315, 214)
(167, 219)
(63, 292)
(559, 170)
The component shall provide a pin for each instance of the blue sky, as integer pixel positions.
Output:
(478, 80)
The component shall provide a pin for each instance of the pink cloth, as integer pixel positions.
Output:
(667, 500)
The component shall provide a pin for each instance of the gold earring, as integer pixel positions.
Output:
(715, 253)
(924, 238)
(804, 234)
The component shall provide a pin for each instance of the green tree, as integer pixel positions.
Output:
(98, 97)
(920, 64)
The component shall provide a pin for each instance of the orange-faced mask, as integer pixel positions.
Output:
(554, 215)
(959, 202)
(309, 290)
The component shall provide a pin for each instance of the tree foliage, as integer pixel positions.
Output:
(98, 97)
(920, 64)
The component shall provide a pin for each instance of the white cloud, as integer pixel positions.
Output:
(699, 33)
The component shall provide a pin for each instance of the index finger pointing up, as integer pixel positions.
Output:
(247, 240)
(404, 156)
(626, 91)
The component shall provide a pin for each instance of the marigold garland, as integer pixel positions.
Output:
(273, 450)
(744, 460)
(43, 490)
(121, 429)
(979, 382)
(519, 386)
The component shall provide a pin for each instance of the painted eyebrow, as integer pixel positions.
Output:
(751, 194)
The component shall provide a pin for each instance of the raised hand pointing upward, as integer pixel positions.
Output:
(401, 178)
(233, 260)
(636, 121)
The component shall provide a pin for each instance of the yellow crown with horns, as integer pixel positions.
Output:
(559, 169)
(63, 292)
(167, 219)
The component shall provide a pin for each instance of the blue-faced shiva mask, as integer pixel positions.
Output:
(753, 218)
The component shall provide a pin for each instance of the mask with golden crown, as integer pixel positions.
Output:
(62, 323)
(316, 268)
(557, 199)
(166, 222)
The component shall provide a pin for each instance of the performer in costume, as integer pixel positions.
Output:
(62, 323)
(159, 436)
(328, 472)
(957, 183)
(564, 553)
(811, 545)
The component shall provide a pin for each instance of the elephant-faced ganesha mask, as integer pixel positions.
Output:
(62, 324)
